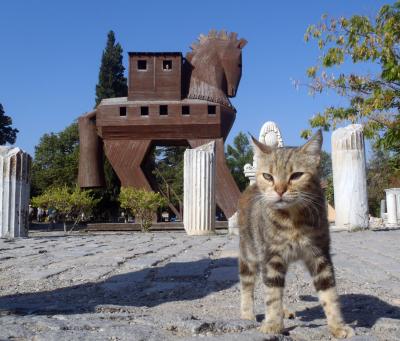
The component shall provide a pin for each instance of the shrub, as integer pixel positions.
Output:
(141, 203)
(68, 204)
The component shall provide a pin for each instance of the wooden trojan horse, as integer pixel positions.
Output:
(171, 101)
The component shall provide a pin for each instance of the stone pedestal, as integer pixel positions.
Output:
(250, 173)
(199, 190)
(15, 166)
(349, 177)
(393, 207)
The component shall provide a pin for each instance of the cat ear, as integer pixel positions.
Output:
(259, 147)
(314, 144)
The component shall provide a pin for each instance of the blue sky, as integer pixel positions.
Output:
(50, 55)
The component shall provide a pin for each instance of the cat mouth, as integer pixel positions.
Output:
(281, 203)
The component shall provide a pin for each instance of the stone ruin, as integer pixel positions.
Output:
(15, 170)
(349, 177)
(199, 190)
(390, 208)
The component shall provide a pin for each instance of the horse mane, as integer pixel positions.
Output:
(202, 40)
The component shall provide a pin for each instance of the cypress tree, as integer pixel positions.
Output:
(112, 82)
(7, 133)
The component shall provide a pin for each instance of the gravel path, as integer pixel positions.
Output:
(168, 286)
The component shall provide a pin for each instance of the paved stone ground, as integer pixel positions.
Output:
(168, 286)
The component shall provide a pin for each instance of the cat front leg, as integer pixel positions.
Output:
(247, 274)
(321, 268)
(330, 303)
(274, 280)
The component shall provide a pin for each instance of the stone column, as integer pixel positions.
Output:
(392, 209)
(383, 208)
(15, 168)
(349, 177)
(199, 190)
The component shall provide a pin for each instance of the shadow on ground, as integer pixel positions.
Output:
(148, 287)
(363, 310)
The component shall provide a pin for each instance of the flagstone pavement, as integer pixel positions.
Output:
(169, 286)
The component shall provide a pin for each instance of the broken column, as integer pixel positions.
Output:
(199, 190)
(15, 166)
(393, 206)
(349, 177)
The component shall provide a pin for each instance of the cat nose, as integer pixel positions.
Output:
(280, 189)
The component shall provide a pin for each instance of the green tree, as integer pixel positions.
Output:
(69, 205)
(237, 156)
(141, 203)
(112, 82)
(7, 133)
(56, 160)
(380, 176)
(326, 176)
(168, 170)
(374, 99)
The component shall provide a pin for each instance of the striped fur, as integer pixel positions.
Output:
(282, 218)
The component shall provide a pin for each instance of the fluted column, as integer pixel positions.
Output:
(199, 190)
(349, 177)
(15, 166)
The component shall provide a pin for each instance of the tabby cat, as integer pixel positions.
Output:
(282, 218)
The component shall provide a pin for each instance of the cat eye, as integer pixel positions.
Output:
(295, 176)
(268, 177)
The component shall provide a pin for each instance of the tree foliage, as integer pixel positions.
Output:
(168, 171)
(141, 203)
(112, 82)
(326, 176)
(68, 204)
(374, 99)
(56, 160)
(380, 176)
(7, 133)
(237, 156)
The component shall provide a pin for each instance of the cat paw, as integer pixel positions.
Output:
(271, 328)
(342, 331)
(288, 314)
(248, 316)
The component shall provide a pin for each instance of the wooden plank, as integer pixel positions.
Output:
(126, 157)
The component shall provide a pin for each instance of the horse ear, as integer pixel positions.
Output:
(242, 43)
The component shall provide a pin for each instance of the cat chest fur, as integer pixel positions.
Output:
(290, 244)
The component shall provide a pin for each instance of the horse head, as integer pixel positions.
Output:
(216, 62)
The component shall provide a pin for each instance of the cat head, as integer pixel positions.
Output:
(288, 176)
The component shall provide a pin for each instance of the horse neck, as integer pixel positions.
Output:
(207, 78)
